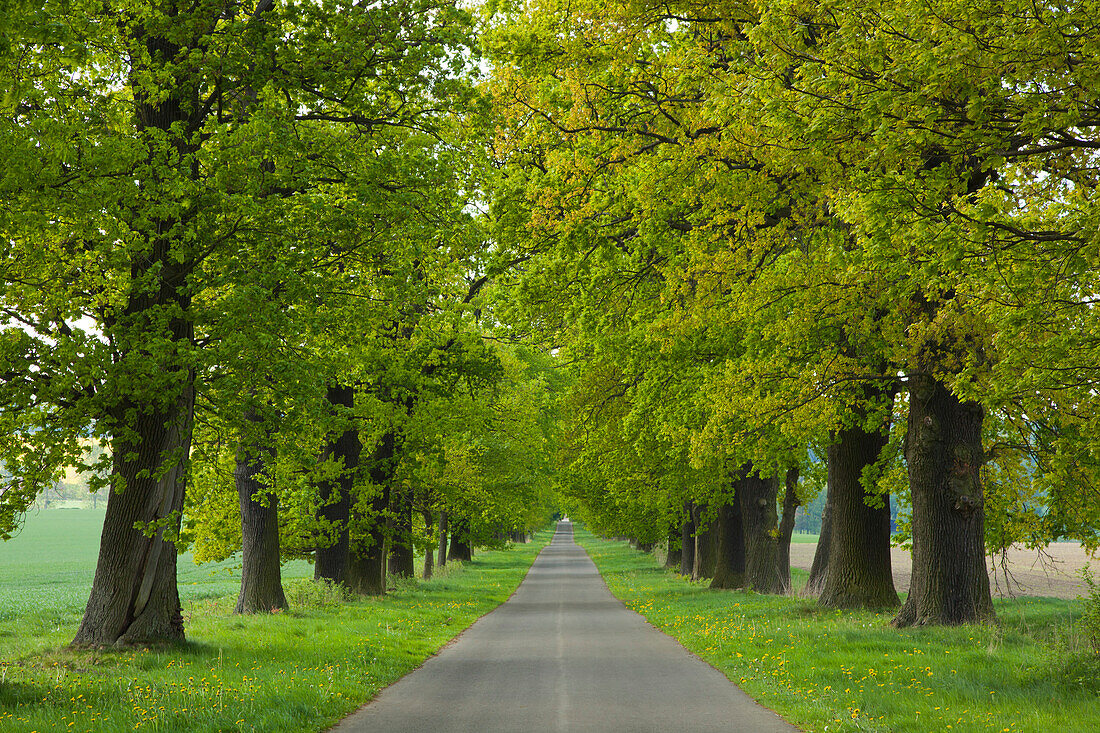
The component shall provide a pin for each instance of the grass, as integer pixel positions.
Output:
(296, 671)
(827, 670)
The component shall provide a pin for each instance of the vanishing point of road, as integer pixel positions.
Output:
(563, 655)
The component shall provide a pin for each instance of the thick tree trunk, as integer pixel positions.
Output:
(429, 556)
(366, 573)
(335, 510)
(402, 560)
(944, 454)
(687, 541)
(729, 566)
(761, 522)
(461, 548)
(786, 529)
(261, 567)
(820, 567)
(859, 574)
(134, 598)
(705, 544)
(442, 559)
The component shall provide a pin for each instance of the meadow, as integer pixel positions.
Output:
(301, 670)
(827, 670)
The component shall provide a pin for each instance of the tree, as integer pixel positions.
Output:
(134, 175)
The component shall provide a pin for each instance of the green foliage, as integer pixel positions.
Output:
(1090, 619)
(305, 595)
(737, 222)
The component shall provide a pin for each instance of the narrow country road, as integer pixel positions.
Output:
(563, 655)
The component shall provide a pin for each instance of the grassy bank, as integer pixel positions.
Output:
(850, 671)
(296, 671)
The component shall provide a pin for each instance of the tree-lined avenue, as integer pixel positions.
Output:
(563, 655)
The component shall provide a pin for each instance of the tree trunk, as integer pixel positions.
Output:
(729, 567)
(761, 522)
(859, 574)
(429, 556)
(705, 544)
(261, 569)
(460, 540)
(335, 510)
(134, 598)
(402, 560)
(944, 454)
(366, 573)
(442, 559)
(786, 528)
(820, 567)
(687, 541)
(675, 550)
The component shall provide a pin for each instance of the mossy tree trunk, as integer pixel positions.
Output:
(760, 520)
(687, 541)
(461, 547)
(331, 561)
(402, 560)
(820, 567)
(672, 557)
(443, 530)
(729, 566)
(261, 567)
(705, 544)
(367, 568)
(134, 598)
(786, 528)
(859, 571)
(429, 556)
(944, 455)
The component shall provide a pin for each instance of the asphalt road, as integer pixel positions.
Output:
(563, 655)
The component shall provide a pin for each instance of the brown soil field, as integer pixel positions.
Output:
(1052, 572)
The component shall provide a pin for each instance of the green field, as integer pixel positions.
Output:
(850, 671)
(46, 570)
(295, 671)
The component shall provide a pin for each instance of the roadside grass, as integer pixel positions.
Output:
(296, 671)
(826, 670)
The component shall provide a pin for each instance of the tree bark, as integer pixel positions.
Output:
(705, 544)
(760, 521)
(675, 550)
(687, 541)
(442, 559)
(461, 548)
(786, 528)
(820, 567)
(729, 566)
(944, 454)
(335, 511)
(429, 556)
(366, 573)
(859, 574)
(134, 598)
(402, 560)
(261, 567)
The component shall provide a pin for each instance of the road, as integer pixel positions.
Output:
(563, 655)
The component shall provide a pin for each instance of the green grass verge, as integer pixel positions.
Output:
(296, 671)
(829, 670)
